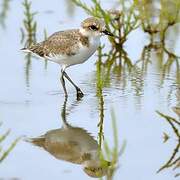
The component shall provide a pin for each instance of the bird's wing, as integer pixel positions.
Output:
(60, 43)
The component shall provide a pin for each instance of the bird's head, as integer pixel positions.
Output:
(94, 166)
(94, 27)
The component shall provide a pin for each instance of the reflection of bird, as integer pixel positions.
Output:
(73, 144)
(71, 47)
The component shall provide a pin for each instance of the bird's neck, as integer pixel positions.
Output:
(84, 33)
(89, 34)
(88, 39)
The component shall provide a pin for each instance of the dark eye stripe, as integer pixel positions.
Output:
(93, 28)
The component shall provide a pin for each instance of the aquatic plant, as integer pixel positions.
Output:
(128, 16)
(30, 25)
(157, 16)
(121, 22)
(4, 154)
(112, 69)
(174, 160)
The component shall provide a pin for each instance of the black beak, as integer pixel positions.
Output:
(106, 32)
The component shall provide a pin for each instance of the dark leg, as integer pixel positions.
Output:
(78, 90)
(63, 83)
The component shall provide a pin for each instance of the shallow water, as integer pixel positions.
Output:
(31, 103)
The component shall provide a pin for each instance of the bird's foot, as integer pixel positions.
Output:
(79, 93)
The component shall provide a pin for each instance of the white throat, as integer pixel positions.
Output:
(90, 34)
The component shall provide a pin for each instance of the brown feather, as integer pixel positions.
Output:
(62, 42)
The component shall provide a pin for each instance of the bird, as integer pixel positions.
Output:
(75, 145)
(71, 47)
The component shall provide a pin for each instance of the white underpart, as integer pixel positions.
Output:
(83, 53)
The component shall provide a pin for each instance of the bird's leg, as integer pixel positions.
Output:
(63, 83)
(78, 90)
(63, 113)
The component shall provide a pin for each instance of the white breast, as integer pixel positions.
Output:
(84, 52)
(82, 55)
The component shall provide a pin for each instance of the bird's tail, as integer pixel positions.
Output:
(39, 141)
(26, 50)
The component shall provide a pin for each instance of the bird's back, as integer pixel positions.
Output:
(66, 47)
(62, 42)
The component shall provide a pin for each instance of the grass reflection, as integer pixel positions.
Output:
(108, 75)
(158, 55)
(107, 152)
(174, 160)
(105, 148)
(116, 64)
(28, 69)
(28, 35)
(99, 87)
(166, 60)
(4, 11)
(29, 24)
(5, 153)
(115, 152)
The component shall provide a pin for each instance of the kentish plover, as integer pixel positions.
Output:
(71, 47)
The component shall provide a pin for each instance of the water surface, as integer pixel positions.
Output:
(31, 103)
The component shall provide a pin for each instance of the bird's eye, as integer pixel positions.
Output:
(94, 28)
